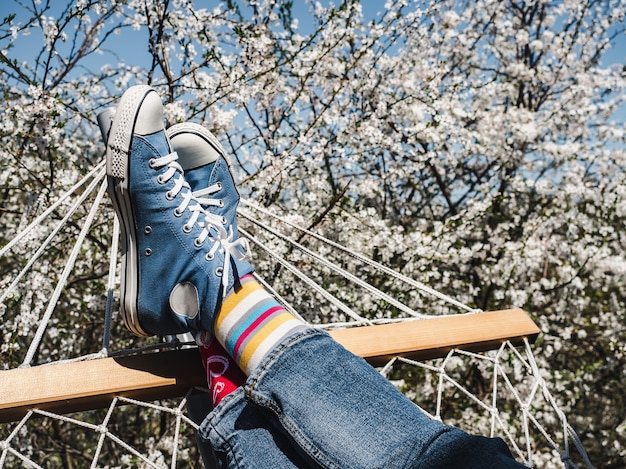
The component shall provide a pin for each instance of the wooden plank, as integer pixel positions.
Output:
(77, 386)
(92, 384)
(433, 338)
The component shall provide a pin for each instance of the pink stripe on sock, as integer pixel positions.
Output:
(253, 326)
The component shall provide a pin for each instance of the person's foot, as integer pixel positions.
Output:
(178, 260)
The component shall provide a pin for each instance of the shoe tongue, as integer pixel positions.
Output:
(160, 142)
(193, 151)
(197, 179)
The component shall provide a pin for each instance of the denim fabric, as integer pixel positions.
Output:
(241, 435)
(341, 412)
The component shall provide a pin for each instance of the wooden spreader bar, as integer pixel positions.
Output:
(434, 338)
(91, 384)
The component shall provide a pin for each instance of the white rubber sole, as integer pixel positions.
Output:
(118, 177)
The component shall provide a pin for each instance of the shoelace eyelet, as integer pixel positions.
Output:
(219, 186)
(169, 195)
(151, 163)
(224, 221)
(219, 271)
(221, 203)
(187, 228)
(209, 256)
(178, 213)
(197, 243)
(161, 179)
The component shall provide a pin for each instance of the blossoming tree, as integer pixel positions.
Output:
(472, 145)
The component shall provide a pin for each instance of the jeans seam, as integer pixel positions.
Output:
(215, 414)
(410, 462)
(316, 455)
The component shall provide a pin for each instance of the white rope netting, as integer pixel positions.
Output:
(107, 446)
(47, 320)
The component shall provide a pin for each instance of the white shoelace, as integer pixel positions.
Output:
(201, 195)
(239, 248)
(193, 201)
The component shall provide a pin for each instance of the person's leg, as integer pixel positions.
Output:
(177, 259)
(344, 414)
(180, 261)
(297, 410)
(336, 407)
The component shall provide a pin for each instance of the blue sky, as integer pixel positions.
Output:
(131, 45)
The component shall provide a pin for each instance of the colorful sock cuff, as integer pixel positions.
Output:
(251, 322)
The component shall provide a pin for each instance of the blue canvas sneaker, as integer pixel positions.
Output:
(178, 260)
(208, 171)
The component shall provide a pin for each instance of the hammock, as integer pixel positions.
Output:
(469, 368)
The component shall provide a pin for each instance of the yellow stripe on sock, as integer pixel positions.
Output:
(260, 336)
(233, 300)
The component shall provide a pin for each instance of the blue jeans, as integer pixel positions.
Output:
(312, 403)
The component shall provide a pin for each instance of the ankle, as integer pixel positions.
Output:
(251, 323)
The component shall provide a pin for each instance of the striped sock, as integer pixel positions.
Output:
(251, 323)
